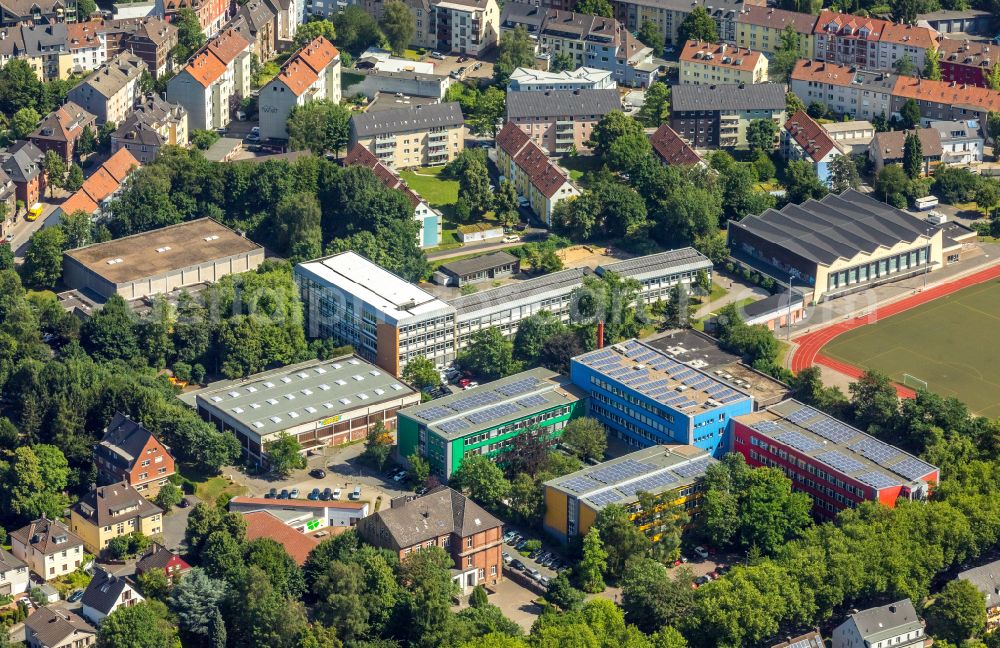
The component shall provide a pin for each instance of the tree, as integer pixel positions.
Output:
(195, 600)
(532, 333)
(698, 25)
(622, 540)
(594, 8)
(482, 480)
(562, 62)
(489, 111)
(587, 437)
(843, 174)
(23, 122)
(785, 56)
(651, 35)
(610, 128)
(874, 402)
(987, 195)
(760, 135)
(913, 156)
(285, 455)
(489, 355)
(143, 625)
(419, 472)
(168, 497)
(993, 78)
(427, 574)
(104, 135)
(420, 373)
(43, 258)
(109, 334)
(311, 30)
(562, 594)
(792, 103)
(299, 223)
(6, 256)
(802, 183)
(958, 612)
(398, 25)
(85, 9)
(590, 571)
(153, 584)
(190, 36)
(678, 309)
(283, 572)
(516, 50)
(19, 87)
(356, 29)
(204, 139)
(319, 126)
(74, 179)
(892, 185)
(656, 106)
(36, 478)
(55, 170)
(651, 599)
(474, 189)
(932, 64)
(904, 66)
(910, 114)
(505, 205)
(378, 445)
(905, 11)
(559, 349)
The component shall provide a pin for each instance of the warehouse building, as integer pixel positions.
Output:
(646, 398)
(490, 419)
(837, 245)
(672, 474)
(837, 465)
(160, 261)
(320, 402)
(477, 269)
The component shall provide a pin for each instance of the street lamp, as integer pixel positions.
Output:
(927, 261)
(788, 322)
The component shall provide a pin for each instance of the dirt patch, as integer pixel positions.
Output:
(590, 256)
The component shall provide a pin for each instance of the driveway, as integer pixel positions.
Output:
(175, 523)
(24, 229)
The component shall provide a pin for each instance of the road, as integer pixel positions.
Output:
(23, 229)
(528, 236)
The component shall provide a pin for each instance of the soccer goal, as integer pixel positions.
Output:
(913, 381)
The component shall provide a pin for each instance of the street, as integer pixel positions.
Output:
(23, 229)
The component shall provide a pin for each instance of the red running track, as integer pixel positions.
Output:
(810, 345)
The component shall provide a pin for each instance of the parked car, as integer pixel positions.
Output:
(533, 573)
(184, 503)
(701, 580)
(507, 558)
(517, 564)
(336, 494)
(544, 580)
(294, 493)
(75, 596)
(356, 493)
(283, 494)
(511, 238)
(313, 495)
(701, 552)
(471, 385)
(317, 473)
(437, 55)
(326, 495)
(400, 476)
(464, 382)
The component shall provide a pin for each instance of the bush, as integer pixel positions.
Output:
(128, 545)
(531, 546)
(182, 371)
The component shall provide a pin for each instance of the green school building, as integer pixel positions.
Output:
(487, 419)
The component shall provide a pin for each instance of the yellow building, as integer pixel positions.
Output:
(711, 64)
(760, 28)
(111, 511)
(670, 475)
(402, 138)
(537, 179)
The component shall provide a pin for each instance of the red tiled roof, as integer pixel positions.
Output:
(818, 72)
(541, 172)
(671, 148)
(361, 156)
(779, 19)
(120, 164)
(84, 34)
(318, 54)
(808, 134)
(944, 92)
(874, 26)
(261, 524)
(79, 201)
(228, 45)
(100, 185)
(511, 138)
(910, 35)
(963, 52)
(713, 54)
(205, 67)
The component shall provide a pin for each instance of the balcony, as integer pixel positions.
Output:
(437, 136)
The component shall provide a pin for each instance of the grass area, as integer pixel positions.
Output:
(769, 186)
(208, 488)
(949, 343)
(578, 165)
(71, 582)
(412, 55)
(439, 193)
(348, 79)
(783, 348)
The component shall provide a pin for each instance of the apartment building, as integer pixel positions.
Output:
(890, 148)
(130, 453)
(60, 130)
(844, 89)
(895, 624)
(50, 627)
(212, 14)
(215, 80)
(759, 27)
(941, 100)
(13, 12)
(669, 14)
(109, 92)
(847, 40)
(986, 579)
(710, 63)
(422, 135)
(151, 38)
(153, 124)
(560, 121)
(899, 41)
(24, 164)
(107, 512)
(101, 186)
(311, 73)
(584, 78)
(46, 48)
(543, 183)
(713, 116)
(961, 142)
(48, 547)
(257, 21)
(803, 139)
(468, 27)
(88, 47)
(967, 62)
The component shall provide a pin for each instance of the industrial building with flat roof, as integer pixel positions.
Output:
(837, 245)
(489, 420)
(646, 398)
(161, 260)
(320, 402)
(837, 465)
(669, 473)
(485, 267)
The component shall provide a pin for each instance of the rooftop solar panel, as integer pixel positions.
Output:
(579, 484)
(798, 441)
(533, 401)
(692, 469)
(518, 387)
(619, 472)
(802, 415)
(840, 461)
(880, 453)
(876, 480)
(832, 430)
(455, 425)
(605, 497)
(493, 413)
(434, 413)
(767, 427)
(911, 468)
(478, 399)
(649, 484)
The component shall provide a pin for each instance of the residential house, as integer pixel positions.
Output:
(311, 73)
(961, 141)
(710, 63)
(669, 14)
(151, 38)
(48, 547)
(941, 100)
(899, 41)
(130, 453)
(107, 512)
(889, 148)
(529, 16)
(101, 186)
(843, 89)
(87, 43)
(257, 21)
(158, 557)
(535, 177)
(23, 162)
(16, 12)
(153, 124)
(14, 577)
(105, 594)
(811, 639)
(986, 579)
(212, 14)
(802, 138)
(264, 524)
(110, 91)
(51, 627)
(215, 80)
(447, 519)
(713, 116)
(896, 624)
(848, 40)
(560, 121)
(759, 27)
(60, 130)
(964, 61)
(671, 149)
(421, 135)
(431, 221)
(584, 78)
(8, 197)
(851, 136)
(46, 49)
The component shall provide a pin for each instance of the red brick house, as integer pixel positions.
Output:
(60, 130)
(159, 557)
(444, 518)
(23, 162)
(129, 452)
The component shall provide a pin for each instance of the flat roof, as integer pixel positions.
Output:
(464, 267)
(163, 250)
(677, 260)
(653, 373)
(844, 448)
(508, 399)
(520, 290)
(391, 295)
(294, 395)
(653, 470)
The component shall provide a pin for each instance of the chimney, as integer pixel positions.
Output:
(600, 334)
(892, 608)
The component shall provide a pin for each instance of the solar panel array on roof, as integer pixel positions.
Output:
(491, 413)
(518, 387)
(876, 480)
(840, 461)
(477, 399)
(618, 472)
(605, 497)
(580, 484)
(454, 425)
(434, 413)
(911, 468)
(798, 441)
(802, 415)
(692, 469)
(832, 430)
(767, 427)
(648, 484)
(880, 453)
(532, 401)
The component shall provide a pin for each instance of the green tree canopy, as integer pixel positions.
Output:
(516, 50)
(398, 25)
(698, 25)
(958, 612)
(586, 437)
(489, 355)
(285, 455)
(482, 480)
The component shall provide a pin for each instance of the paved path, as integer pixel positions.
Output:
(738, 291)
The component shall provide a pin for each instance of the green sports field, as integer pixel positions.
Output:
(952, 343)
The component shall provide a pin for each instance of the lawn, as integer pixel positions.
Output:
(208, 488)
(950, 343)
(577, 165)
(439, 193)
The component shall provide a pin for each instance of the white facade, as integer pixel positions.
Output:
(127, 598)
(213, 81)
(890, 626)
(89, 58)
(13, 575)
(52, 564)
(475, 26)
(297, 84)
(961, 143)
(584, 78)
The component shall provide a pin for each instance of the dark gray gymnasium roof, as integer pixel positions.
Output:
(564, 103)
(836, 227)
(728, 96)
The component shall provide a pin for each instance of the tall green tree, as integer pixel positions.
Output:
(874, 402)
(623, 541)
(760, 135)
(802, 183)
(378, 446)
(698, 25)
(904, 66)
(195, 600)
(23, 122)
(55, 170)
(299, 223)
(482, 480)
(586, 437)
(427, 574)
(594, 8)
(398, 25)
(652, 599)
(610, 128)
(652, 36)
(43, 258)
(993, 78)
(474, 189)
(319, 126)
(958, 612)
(785, 56)
(109, 334)
(505, 205)
(285, 455)
(356, 29)
(656, 105)
(910, 114)
(144, 625)
(420, 373)
(516, 50)
(590, 570)
(190, 36)
(489, 355)
(309, 31)
(843, 174)
(913, 156)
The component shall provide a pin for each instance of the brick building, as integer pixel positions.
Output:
(131, 453)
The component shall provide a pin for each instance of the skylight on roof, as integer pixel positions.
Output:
(290, 396)
(269, 384)
(216, 399)
(307, 392)
(311, 409)
(341, 381)
(286, 379)
(353, 361)
(374, 373)
(396, 386)
(258, 424)
(337, 365)
(238, 410)
(324, 387)
(251, 389)
(379, 391)
(293, 414)
(362, 396)
(255, 405)
(276, 419)
(345, 401)
(302, 375)
(272, 401)
(320, 370)
(234, 394)
(328, 405)
(358, 377)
